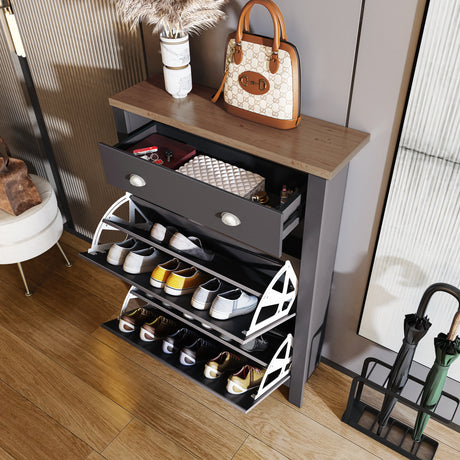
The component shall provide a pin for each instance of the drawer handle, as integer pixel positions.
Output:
(136, 181)
(230, 219)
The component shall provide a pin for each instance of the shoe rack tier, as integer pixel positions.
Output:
(277, 366)
(193, 321)
(234, 328)
(250, 274)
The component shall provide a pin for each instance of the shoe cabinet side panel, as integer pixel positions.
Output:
(322, 223)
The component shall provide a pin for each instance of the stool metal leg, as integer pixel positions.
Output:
(68, 264)
(21, 271)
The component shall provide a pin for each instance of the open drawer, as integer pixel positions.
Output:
(261, 226)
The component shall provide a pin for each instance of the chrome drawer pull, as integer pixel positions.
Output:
(136, 181)
(229, 219)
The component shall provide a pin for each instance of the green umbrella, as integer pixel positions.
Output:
(447, 349)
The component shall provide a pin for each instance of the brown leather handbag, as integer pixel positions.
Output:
(17, 191)
(262, 75)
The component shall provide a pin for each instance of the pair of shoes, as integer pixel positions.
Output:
(152, 325)
(232, 303)
(176, 278)
(132, 320)
(158, 329)
(184, 281)
(136, 257)
(203, 296)
(181, 338)
(224, 303)
(224, 362)
(162, 271)
(198, 351)
(188, 245)
(257, 344)
(191, 246)
(161, 233)
(193, 349)
(247, 378)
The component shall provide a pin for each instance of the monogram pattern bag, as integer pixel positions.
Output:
(17, 191)
(262, 77)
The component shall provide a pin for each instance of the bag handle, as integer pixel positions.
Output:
(238, 54)
(277, 12)
(6, 155)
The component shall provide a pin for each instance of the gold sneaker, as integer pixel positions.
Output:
(224, 362)
(161, 272)
(245, 379)
(184, 281)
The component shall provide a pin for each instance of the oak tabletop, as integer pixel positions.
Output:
(317, 147)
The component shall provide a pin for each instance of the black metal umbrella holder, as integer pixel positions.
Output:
(397, 435)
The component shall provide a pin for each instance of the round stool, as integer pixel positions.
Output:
(33, 232)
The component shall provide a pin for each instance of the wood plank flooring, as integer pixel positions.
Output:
(71, 390)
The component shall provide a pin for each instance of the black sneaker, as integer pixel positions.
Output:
(258, 344)
(182, 338)
(200, 350)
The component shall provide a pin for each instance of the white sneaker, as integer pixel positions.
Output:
(204, 295)
(142, 261)
(232, 303)
(190, 245)
(118, 251)
(161, 233)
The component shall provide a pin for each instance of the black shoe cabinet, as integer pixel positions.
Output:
(255, 255)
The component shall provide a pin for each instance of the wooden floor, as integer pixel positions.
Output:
(71, 390)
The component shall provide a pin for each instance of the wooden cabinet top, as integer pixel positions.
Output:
(315, 146)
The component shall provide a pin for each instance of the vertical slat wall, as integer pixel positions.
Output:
(419, 242)
(79, 54)
(15, 124)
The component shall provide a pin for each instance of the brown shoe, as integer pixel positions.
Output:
(132, 320)
(158, 329)
(224, 362)
(245, 379)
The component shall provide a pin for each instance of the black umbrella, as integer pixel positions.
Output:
(447, 349)
(415, 327)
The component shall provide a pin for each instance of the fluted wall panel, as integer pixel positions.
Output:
(15, 124)
(79, 54)
(419, 242)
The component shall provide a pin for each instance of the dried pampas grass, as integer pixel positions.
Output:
(173, 18)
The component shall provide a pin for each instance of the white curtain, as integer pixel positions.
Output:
(419, 241)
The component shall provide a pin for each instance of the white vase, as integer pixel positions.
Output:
(175, 54)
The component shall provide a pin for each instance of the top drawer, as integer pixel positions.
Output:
(260, 226)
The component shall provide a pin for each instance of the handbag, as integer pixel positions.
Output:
(262, 75)
(17, 191)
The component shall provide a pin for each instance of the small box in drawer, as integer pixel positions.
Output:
(223, 175)
(180, 152)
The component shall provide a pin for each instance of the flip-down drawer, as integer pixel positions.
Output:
(260, 226)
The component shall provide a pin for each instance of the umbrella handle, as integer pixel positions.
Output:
(454, 327)
(452, 290)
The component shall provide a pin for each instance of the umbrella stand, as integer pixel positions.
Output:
(447, 348)
(361, 414)
(415, 328)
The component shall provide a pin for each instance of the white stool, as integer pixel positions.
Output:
(33, 232)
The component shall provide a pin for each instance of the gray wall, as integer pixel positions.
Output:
(326, 35)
